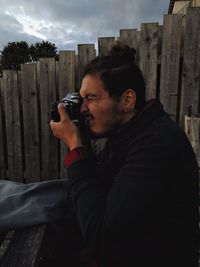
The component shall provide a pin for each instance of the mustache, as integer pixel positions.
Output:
(87, 115)
(85, 126)
(85, 119)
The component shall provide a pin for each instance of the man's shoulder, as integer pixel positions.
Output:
(170, 131)
(161, 133)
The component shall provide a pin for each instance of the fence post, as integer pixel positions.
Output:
(49, 144)
(12, 125)
(66, 85)
(66, 73)
(86, 52)
(30, 122)
(192, 130)
(104, 45)
(2, 141)
(191, 64)
(149, 56)
(131, 38)
(170, 63)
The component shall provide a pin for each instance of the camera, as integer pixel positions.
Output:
(72, 102)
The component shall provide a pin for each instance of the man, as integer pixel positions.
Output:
(136, 201)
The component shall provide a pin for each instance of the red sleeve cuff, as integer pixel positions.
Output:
(74, 155)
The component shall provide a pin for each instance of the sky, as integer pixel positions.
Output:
(67, 23)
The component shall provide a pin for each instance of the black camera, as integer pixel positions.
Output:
(72, 103)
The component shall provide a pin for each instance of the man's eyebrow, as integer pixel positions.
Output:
(89, 95)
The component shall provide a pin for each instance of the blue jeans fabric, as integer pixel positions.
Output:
(25, 205)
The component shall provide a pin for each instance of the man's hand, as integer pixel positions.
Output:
(65, 129)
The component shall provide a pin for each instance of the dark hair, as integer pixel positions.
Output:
(119, 72)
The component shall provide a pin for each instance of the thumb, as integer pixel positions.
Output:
(62, 111)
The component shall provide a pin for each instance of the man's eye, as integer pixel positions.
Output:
(91, 97)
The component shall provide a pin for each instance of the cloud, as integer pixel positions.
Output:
(68, 23)
(8, 22)
(11, 30)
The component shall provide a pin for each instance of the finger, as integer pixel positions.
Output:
(62, 112)
(51, 122)
(52, 126)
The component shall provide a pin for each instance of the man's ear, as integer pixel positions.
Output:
(128, 100)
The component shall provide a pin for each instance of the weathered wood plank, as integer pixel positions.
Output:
(170, 63)
(66, 85)
(77, 82)
(192, 129)
(149, 56)
(104, 45)
(191, 64)
(131, 38)
(2, 237)
(128, 37)
(5, 239)
(160, 37)
(2, 136)
(57, 79)
(66, 73)
(23, 250)
(49, 144)
(30, 122)
(12, 123)
(86, 52)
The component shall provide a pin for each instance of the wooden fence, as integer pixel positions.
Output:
(168, 55)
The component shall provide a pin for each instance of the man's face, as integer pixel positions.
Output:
(104, 113)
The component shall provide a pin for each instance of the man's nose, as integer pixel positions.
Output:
(84, 107)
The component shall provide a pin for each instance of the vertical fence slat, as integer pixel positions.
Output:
(49, 144)
(160, 37)
(192, 128)
(191, 64)
(7, 131)
(57, 79)
(170, 63)
(30, 121)
(104, 45)
(77, 83)
(149, 56)
(12, 123)
(131, 38)
(2, 142)
(86, 52)
(66, 85)
(66, 73)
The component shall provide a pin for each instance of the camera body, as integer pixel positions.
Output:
(72, 102)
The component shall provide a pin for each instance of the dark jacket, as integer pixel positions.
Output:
(138, 205)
